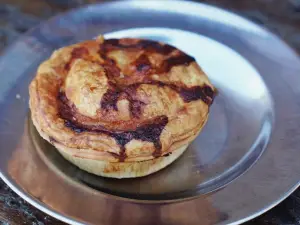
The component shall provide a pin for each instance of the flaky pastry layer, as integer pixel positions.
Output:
(120, 100)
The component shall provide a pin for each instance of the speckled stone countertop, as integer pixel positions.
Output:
(282, 17)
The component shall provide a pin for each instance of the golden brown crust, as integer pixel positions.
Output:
(120, 100)
(97, 164)
(122, 169)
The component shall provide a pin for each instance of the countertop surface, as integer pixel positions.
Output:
(282, 17)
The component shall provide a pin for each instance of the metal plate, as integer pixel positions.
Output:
(244, 162)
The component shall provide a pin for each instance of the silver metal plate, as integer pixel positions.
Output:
(245, 160)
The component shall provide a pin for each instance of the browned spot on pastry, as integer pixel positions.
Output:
(64, 110)
(143, 65)
(168, 154)
(135, 107)
(208, 91)
(182, 59)
(110, 99)
(205, 93)
(76, 54)
(121, 157)
(52, 140)
(111, 68)
(93, 88)
(149, 132)
(147, 45)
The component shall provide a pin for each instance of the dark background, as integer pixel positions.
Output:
(17, 16)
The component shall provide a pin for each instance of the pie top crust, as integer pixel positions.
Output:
(120, 99)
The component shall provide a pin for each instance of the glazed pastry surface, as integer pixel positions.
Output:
(120, 100)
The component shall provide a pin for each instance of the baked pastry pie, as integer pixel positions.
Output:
(120, 107)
